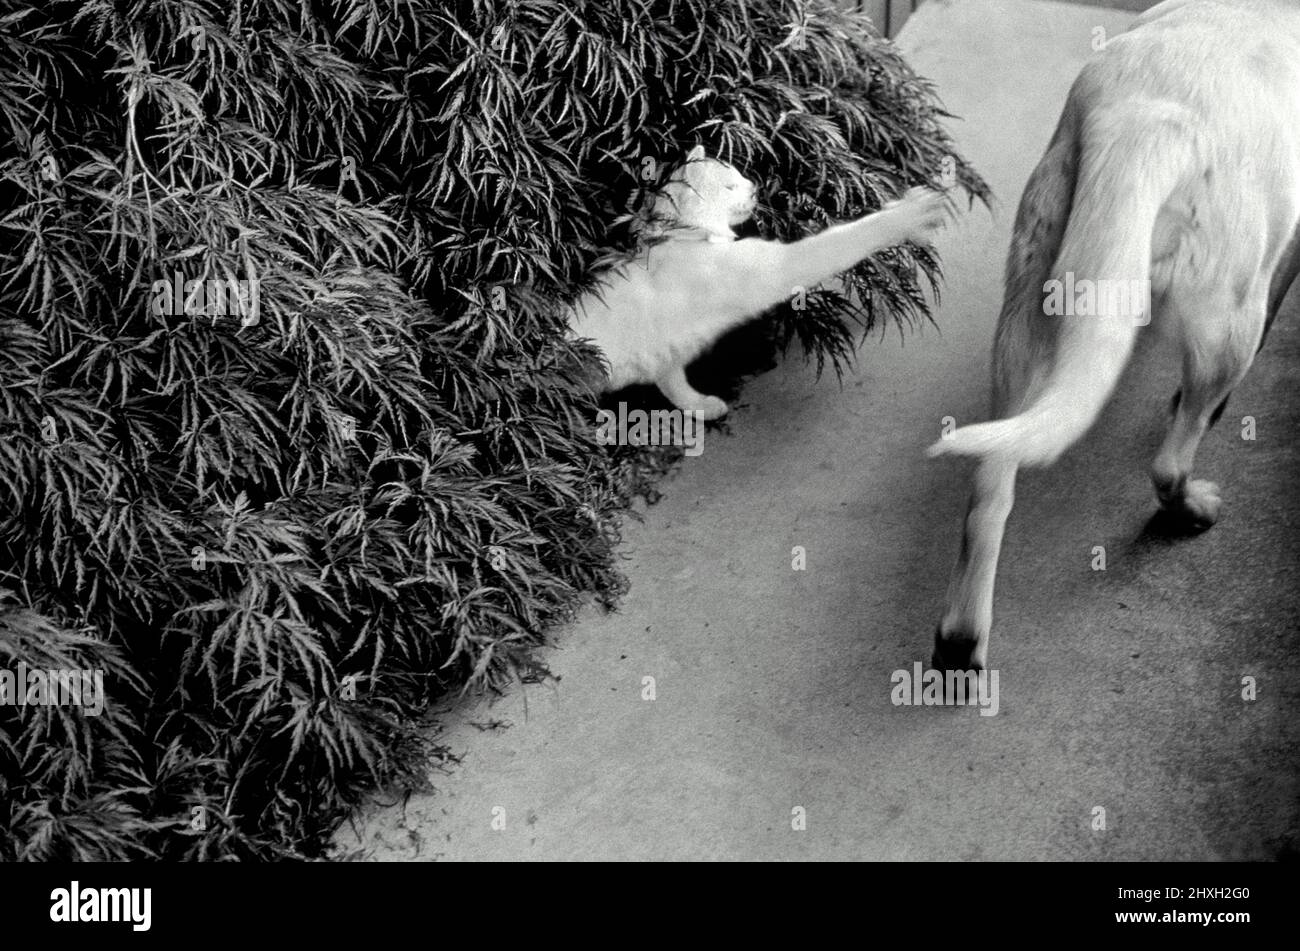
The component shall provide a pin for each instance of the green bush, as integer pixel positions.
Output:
(283, 529)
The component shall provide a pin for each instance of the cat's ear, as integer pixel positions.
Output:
(695, 154)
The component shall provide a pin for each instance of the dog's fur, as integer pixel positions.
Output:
(1176, 159)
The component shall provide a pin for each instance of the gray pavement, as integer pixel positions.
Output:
(1119, 689)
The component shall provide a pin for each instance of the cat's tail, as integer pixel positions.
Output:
(1128, 164)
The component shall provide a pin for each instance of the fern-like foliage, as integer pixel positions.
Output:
(283, 516)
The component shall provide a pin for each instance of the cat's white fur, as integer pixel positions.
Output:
(653, 315)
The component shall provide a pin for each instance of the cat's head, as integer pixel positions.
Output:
(703, 193)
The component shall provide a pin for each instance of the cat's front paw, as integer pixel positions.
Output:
(918, 214)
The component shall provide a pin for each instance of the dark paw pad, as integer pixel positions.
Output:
(956, 650)
(1194, 509)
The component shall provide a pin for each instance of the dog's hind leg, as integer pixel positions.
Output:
(1022, 348)
(962, 639)
(1217, 352)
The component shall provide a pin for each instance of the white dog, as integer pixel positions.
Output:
(1174, 172)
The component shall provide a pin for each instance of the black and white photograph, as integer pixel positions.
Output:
(650, 431)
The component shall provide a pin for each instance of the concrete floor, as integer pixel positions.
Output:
(1119, 688)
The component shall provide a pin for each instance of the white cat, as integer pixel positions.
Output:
(653, 315)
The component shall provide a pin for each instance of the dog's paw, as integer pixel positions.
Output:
(958, 650)
(711, 407)
(1196, 508)
(1202, 500)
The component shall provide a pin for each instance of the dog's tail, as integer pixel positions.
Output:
(1128, 165)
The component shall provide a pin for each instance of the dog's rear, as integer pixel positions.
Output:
(1174, 173)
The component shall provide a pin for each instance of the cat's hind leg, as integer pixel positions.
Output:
(675, 386)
